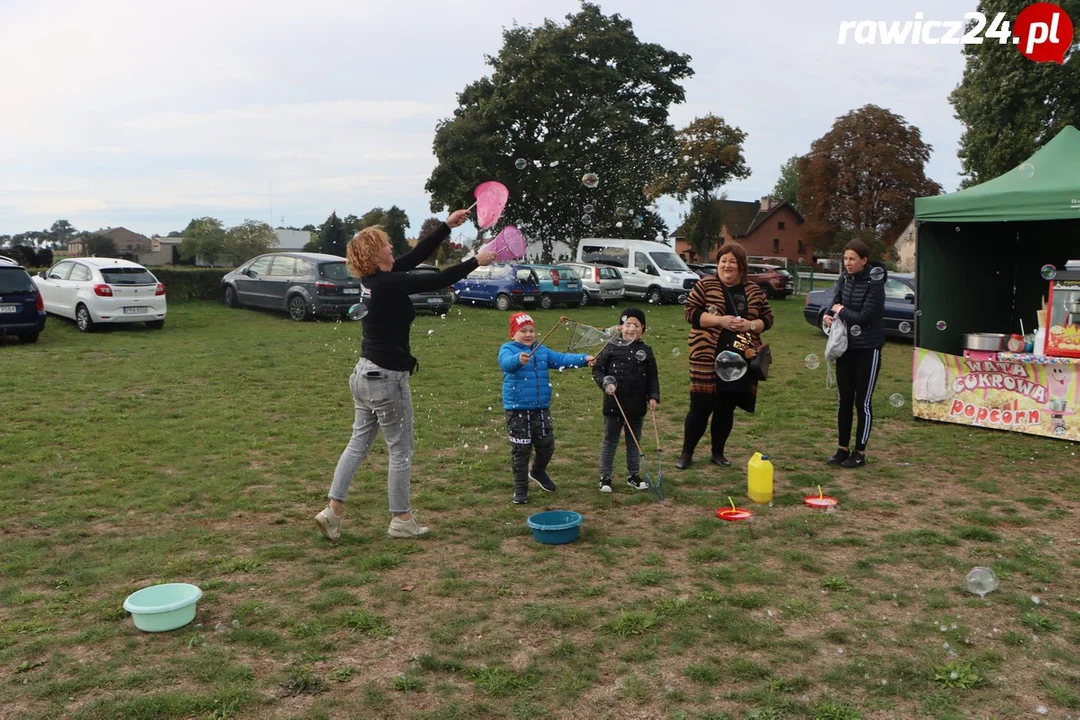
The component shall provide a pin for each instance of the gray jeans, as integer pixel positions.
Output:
(613, 427)
(383, 400)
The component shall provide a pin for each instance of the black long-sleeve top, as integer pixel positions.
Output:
(390, 312)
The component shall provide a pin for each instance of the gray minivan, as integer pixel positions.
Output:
(599, 283)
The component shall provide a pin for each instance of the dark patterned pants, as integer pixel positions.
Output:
(529, 429)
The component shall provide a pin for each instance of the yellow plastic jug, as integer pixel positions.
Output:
(759, 479)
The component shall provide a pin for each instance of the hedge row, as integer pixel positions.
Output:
(190, 283)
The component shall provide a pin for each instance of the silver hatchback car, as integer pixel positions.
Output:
(599, 283)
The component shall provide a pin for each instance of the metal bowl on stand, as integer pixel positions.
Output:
(986, 342)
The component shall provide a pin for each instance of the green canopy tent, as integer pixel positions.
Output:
(979, 251)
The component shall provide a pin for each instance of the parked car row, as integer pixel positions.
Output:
(776, 281)
(899, 306)
(22, 312)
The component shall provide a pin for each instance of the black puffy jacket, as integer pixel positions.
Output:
(636, 379)
(863, 298)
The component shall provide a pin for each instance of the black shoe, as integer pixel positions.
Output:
(838, 457)
(685, 460)
(541, 478)
(521, 498)
(605, 484)
(636, 482)
(854, 460)
(720, 460)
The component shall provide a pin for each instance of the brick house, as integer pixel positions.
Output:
(129, 245)
(769, 228)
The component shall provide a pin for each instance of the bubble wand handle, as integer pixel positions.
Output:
(562, 319)
(632, 435)
(656, 429)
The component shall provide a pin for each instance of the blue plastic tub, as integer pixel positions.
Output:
(159, 608)
(555, 527)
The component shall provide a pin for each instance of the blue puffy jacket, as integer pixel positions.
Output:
(528, 387)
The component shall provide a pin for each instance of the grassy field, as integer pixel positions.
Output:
(201, 452)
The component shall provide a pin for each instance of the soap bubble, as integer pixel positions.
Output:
(981, 581)
(618, 224)
(877, 272)
(590, 180)
(520, 163)
(586, 219)
(589, 208)
(609, 384)
(941, 325)
(358, 311)
(856, 331)
(674, 352)
(1027, 170)
(640, 355)
(637, 223)
(918, 313)
(905, 327)
(553, 163)
(430, 332)
(621, 212)
(896, 400)
(812, 362)
(730, 366)
(1048, 272)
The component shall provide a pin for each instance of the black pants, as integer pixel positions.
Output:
(722, 408)
(613, 427)
(529, 429)
(856, 375)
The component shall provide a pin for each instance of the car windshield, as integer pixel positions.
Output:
(334, 271)
(15, 280)
(607, 273)
(128, 276)
(669, 261)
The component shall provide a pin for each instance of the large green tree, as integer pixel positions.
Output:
(61, 233)
(711, 155)
(393, 222)
(98, 246)
(203, 238)
(247, 240)
(565, 101)
(787, 185)
(333, 238)
(1011, 106)
(863, 174)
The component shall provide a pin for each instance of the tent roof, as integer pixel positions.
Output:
(1045, 187)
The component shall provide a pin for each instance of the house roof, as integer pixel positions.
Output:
(121, 235)
(742, 217)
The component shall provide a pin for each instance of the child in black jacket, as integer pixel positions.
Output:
(637, 387)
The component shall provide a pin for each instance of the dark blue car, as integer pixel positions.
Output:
(22, 312)
(899, 306)
(504, 286)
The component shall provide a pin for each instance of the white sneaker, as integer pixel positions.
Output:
(405, 528)
(329, 523)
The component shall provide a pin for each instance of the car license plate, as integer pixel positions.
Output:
(351, 291)
(135, 310)
(528, 298)
(435, 301)
(9, 308)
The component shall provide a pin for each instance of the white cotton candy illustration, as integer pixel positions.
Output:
(931, 379)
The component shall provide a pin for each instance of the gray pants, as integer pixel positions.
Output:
(383, 400)
(613, 427)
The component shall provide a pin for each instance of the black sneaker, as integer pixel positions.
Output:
(838, 457)
(541, 478)
(605, 484)
(636, 482)
(854, 460)
(720, 460)
(521, 499)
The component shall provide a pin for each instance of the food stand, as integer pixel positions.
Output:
(986, 258)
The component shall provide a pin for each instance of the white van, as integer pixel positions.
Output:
(650, 270)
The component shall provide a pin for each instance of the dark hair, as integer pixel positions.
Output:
(859, 247)
(740, 257)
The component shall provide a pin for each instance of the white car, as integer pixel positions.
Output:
(102, 290)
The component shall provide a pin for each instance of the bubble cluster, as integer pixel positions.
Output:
(812, 362)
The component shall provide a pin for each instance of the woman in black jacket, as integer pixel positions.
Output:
(859, 301)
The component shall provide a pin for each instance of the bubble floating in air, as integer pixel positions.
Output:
(896, 400)
(812, 362)
(553, 163)
(590, 180)
(674, 352)
(1027, 170)
(641, 355)
(358, 311)
(1048, 272)
(730, 366)
(905, 327)
(521, 163)
(856, 331)
(586, 219)
(941, 325)
(877, 272)
(589, 208)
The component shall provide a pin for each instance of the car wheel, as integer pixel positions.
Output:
(546, 302)
(298, 308)
(230, 297)
(155, 324)
(502, 301)
(28, 337)
(584, 298)
(83, 321)
(654, 296)
(822, 325)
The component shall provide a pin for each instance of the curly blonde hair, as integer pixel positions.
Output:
(362, 254)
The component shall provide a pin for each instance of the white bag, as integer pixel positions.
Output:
(835, 346)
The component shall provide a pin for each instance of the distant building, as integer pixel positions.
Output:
(767, 228)
(903, 252)
(128, 244)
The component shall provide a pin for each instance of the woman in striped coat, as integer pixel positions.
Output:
(715, 305)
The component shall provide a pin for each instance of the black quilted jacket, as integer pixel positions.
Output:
(636, 379)
(863, 298)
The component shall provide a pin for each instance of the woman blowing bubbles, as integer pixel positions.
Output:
(380, 380)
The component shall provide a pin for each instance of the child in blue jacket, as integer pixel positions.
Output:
(526, 395)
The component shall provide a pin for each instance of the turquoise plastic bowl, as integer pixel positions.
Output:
(159, 608)
(555, 527)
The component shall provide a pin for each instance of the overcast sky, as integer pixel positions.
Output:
(144, 114)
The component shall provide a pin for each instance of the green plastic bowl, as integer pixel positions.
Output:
(159, 608)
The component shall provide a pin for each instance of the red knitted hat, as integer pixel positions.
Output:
(519, 319)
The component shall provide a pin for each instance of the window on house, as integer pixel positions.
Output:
(776, 245)
(802, 247)
(780, 224)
